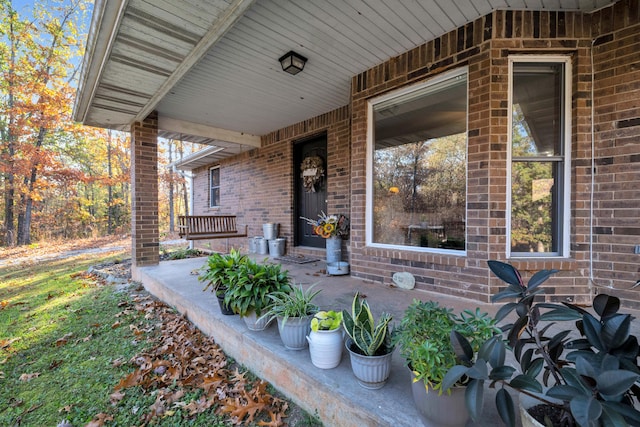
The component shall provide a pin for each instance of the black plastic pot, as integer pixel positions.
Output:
(224, 308)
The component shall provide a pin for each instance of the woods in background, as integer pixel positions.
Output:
(60, 179)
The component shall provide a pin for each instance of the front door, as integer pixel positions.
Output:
(310, 163)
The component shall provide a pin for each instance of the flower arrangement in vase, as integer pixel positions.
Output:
(327, 226)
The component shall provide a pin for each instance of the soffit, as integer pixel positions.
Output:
(214, 63)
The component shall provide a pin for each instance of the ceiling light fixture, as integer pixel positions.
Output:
(292, 62)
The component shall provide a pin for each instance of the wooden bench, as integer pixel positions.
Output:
(201, 227)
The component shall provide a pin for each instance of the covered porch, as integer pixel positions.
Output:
(211, 73)
(334, 393)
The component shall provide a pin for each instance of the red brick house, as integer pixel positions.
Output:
(450, 133)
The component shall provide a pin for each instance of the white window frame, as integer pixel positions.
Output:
(565, 197)
(371, 103)
(211, 187)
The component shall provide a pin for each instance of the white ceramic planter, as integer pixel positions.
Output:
(325, 348)
(371, 372)
(443, 410)
(294, 331)
(256, 323)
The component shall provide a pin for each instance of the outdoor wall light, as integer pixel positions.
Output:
(292, 62)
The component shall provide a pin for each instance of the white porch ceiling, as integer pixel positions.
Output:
(210, 68)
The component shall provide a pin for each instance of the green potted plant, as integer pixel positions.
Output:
(249, 287)
(369, 344)
(424, 340)
(217, 273)
(325, 339)
(293, 311)
(585, 373)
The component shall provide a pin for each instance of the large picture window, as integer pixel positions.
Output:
(214, 187)
(539, 156)
(417, 163)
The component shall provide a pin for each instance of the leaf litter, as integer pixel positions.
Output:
(183, 360)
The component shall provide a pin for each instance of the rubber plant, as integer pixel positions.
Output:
(587, 371)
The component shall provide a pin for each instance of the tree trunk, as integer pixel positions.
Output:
(109, 188)
(185, 194)
(24, 218)
(9, 195)
(172, 227)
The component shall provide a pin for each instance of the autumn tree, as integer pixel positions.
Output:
(38, 64)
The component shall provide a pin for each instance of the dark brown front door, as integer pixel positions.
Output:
(310, 199)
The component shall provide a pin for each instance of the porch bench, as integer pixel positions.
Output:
(201, 227)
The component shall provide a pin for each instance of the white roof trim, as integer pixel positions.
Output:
(218, 134)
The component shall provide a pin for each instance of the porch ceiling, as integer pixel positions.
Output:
(210, 68)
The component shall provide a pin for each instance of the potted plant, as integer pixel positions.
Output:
(369, 344)
(249, 287)
(424, 340)
(293, 311)
(585, 373)
(217, 274)
(325, 339)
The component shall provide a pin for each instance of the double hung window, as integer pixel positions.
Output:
(214, 187)
(539, 172)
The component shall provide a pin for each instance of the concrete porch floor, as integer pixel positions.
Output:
(334, 394)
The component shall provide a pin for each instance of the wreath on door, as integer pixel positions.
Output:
(312, 172)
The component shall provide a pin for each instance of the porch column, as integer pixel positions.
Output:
(145, 236)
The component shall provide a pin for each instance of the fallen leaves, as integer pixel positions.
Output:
(29, 377)
(99, 420)
(5, 344)
(63, 340)
(184, 360)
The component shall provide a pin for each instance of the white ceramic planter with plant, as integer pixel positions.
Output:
(325, 339)
(369, 345)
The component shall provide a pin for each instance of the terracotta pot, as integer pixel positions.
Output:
(293, 332)
(371, 372)
(443, 410)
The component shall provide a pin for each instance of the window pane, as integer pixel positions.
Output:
(537, 103)
(215, 196)
(215, 177)
(533, 207)
(419, 170)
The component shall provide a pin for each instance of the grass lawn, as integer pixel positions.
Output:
(75, 349)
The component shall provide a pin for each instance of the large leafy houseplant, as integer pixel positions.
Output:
(250, 286)
(586, 373)
(217, 272)
(424, 338)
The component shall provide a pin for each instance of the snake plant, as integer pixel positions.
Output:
(371, 339)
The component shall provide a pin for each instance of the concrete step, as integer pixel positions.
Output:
(333, 394)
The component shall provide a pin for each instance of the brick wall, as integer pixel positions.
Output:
(145, 235)
(616, 56)
(258, 185)
(483, 46)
